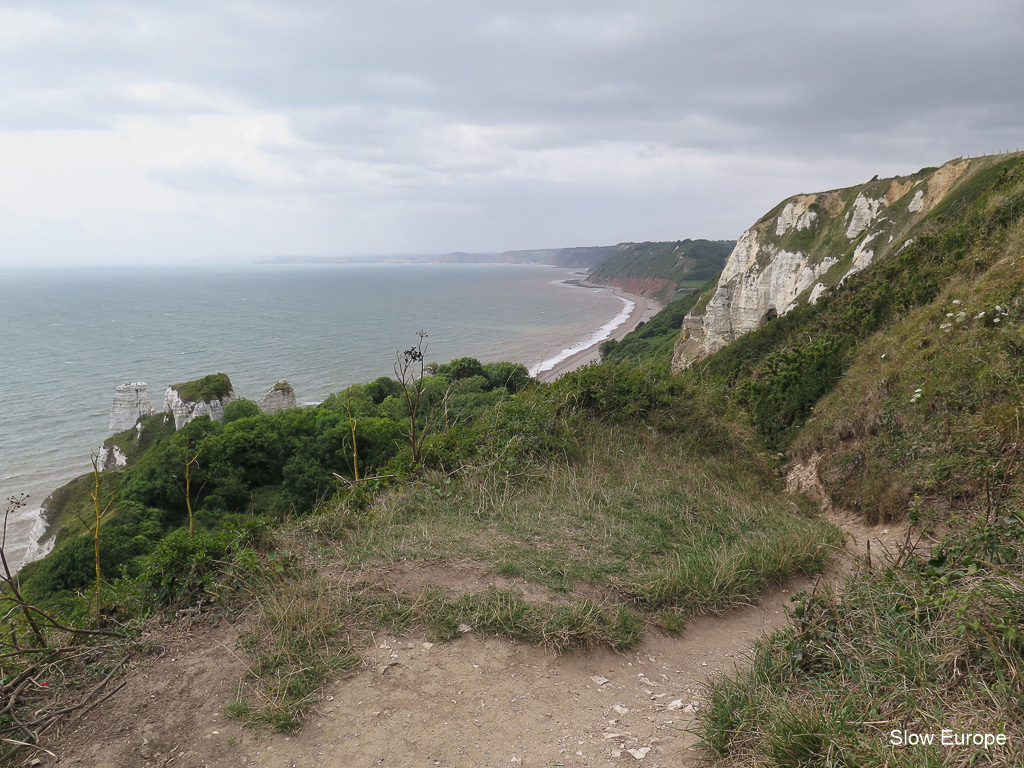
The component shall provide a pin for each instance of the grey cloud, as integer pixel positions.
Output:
(376, 95)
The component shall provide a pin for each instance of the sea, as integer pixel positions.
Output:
(72, 334)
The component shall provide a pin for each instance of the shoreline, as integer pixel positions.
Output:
(29, 537)
(643, 310)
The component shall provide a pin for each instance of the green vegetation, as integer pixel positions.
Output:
(133, 443)
(617, 480)
(918, 418)
(779, 372)
(216, 386)
(664, 267)
(916, 643)
(655, 339)
(268, 466)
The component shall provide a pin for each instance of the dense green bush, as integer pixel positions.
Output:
(265, 464)
(184, 570)
(240, 409)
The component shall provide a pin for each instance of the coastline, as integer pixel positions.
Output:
(643, 310)
(29, 537)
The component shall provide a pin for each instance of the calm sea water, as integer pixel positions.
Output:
(72, 335)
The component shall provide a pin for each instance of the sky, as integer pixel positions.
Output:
(136, 132)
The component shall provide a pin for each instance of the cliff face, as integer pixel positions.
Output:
(130, 402)
(278, 398)
(649, 287)
(196, 402)
(110, 458)
(808, 245)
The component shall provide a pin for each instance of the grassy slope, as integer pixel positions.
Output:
(639, 514)
(616, 499)
(680, 264)
(779, 372)
(607, 523)
(923, 421)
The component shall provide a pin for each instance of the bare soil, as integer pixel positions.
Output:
(476, 701)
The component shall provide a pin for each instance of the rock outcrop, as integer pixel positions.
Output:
(809, 245)
(279, 397)
(110, 458)
(131, 401)
(203, 397)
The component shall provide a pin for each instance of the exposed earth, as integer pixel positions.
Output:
(476, 701)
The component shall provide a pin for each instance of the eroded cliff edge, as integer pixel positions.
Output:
(809, 244)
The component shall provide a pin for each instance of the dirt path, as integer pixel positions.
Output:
(473, 702)
(489, 702)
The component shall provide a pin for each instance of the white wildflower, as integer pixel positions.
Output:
(956, 301)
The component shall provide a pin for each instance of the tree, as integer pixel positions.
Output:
(100, 514)
(461, 368)
(190, 458)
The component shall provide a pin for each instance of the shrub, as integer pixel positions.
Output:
(184, 570)
(240, 409)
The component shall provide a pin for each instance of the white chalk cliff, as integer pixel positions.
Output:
(131, 401)
(110, 458)
(278, 398)
(807, 246)
(185, 411)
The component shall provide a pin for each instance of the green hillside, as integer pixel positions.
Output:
(661, 270)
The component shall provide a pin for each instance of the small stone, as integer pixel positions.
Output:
(600, 680)
(464, 628)
(639, 754)
(427, 646)
(620, 709)
(676, 704)
(689, 709)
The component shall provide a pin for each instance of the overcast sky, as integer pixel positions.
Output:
(159, 131)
